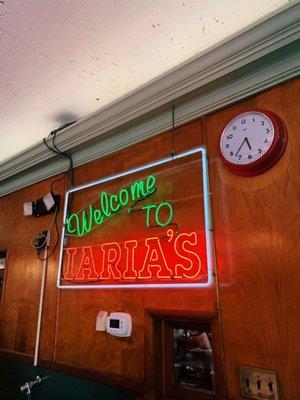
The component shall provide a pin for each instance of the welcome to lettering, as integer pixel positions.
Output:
(81, 223)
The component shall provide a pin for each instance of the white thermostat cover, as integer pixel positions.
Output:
(119, 324)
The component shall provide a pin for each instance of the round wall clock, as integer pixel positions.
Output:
(253, 142)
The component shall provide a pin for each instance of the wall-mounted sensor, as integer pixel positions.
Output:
(119, 324)
(28, 208)
(49, 201)
(43, 206)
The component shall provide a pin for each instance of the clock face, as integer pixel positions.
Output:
(252, 142)
(247, 138)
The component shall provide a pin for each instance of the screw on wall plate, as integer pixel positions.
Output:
(258, 384)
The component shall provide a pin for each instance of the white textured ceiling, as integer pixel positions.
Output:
(65, 59)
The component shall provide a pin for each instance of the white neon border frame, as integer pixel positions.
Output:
(207, 222)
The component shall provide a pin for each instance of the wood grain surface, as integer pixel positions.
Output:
(256, 223)
(257, 241)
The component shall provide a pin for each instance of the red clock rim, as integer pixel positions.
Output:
(272, 155)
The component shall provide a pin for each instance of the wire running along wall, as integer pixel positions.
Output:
(149, 226)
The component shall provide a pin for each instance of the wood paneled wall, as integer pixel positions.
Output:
(257, 224)
(257, 245)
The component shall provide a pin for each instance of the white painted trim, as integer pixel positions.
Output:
(224, 94)
(211, 81)
(234, 90)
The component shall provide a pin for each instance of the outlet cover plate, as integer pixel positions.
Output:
(258, 383)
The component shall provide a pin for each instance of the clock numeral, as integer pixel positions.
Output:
(229, 136)
(234, 127)
(231, 153)
(262, 123)
(249, 156)
(227, 145)
(259, 151)
(243, 121)
(266, 141)
(267, 130)
(253, 119)
(240, 157)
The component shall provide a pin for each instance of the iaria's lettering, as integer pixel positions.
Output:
(173, 257)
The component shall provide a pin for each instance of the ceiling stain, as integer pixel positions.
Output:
(64, 117)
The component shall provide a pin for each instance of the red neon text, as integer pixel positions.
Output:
(171, 258)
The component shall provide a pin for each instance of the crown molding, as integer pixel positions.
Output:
(232, 90)
(282, 66)
(257, 58)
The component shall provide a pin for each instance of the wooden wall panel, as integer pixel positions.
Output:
(78, 309)
(257, 229)
(68, 328)
(22, 286)
(257, 242)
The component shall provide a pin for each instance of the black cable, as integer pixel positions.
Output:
(139, 200)
(69, 172)
(61, 127)
(57, 180)
(63, 154)
(57, 151)
(61, 178)
(54, 133)
(83, 281)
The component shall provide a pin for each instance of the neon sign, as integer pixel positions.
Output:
(82, 223)
(149, 241)
(168, 258)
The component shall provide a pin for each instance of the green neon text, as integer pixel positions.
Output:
(157, 208)
(81, 223)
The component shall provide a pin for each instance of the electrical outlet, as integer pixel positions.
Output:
(258, 384)
(41, 241)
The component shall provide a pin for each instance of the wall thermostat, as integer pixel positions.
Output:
(119, 324)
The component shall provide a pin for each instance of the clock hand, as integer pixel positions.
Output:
(245, 140)
(240, 147)
(248, 143)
